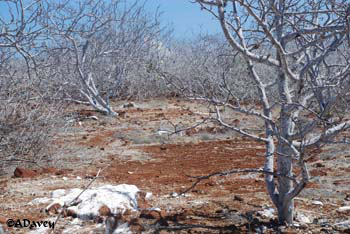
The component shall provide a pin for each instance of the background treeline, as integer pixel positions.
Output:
(54, 53)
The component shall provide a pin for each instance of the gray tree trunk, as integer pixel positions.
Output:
(285, 205)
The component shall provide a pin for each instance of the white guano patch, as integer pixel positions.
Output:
(117, 198)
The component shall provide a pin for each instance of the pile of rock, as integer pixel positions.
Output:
(118, 207)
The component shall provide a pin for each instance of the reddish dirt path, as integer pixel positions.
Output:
(171, 164)
(214, 203)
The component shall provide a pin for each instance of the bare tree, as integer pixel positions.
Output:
(83, 51)
(97, 47)
(203, 60)
(27, 115)
(305, 44)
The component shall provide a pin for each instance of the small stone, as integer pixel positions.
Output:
(236, 122)
(317, 203)
(174, 194)
(39, 200)
(238, 198)
(148, 195)
(122, 114)
(319, 164)
(343, 209)
(60, 172)
(302, 219)
(297, 225)
(210, 183)
(267, 213)
(342, 226)
(76, 221)
(323, 222)
(24, 173)
(129, 105)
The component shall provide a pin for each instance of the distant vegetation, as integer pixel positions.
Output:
(291, 56)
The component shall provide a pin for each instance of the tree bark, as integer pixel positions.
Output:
(285, 205)
(285, 212)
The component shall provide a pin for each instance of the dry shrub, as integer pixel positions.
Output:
(27, 124)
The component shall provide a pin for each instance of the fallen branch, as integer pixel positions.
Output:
(229, 172)
(176, 131)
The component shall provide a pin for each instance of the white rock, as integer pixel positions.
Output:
(64, 178)
(302, 219)
(318, 203)
(76, 221)
(78, 178)
(100, 225)
(57, 193)
(40, 200)
(123, 229)
(162, 132)
(117, 198)
(343, 209)
(295, 224)
(342, 226)
(267, 213)
(173, 194)
(93, 117)
(148, 196)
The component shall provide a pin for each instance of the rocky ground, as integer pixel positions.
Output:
(137, 149)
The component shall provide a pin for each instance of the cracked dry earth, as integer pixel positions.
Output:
(130, 150)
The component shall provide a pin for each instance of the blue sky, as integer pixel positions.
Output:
(186, 18)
